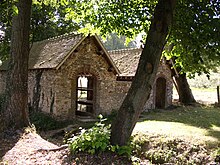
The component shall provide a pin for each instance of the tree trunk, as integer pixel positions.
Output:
(185, 94)
(141, 86)
(16, 105)
(182, 86)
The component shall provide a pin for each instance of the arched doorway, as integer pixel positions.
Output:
(160, 100)
(85, 95)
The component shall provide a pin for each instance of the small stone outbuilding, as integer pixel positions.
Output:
(75, 75)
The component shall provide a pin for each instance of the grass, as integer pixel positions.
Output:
(196, 124)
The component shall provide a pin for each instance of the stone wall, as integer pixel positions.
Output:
(114, 92)
(164, 71)
(81, 62)
(42, 91)
(54, 90)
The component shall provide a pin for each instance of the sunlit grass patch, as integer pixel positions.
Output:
(195, 124)
(177, 130)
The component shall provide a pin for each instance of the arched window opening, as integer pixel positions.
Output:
(85, 95)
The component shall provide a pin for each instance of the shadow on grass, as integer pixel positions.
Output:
(202, 117)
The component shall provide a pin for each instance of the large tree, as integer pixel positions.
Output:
(141, 86)
(112, 15)
(48, 20)
(195, 43)
(16, 108)
(132, 17)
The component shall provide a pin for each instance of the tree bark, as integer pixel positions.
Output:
(141, 86)
(16, 105)
(182, 86)
(185, 94)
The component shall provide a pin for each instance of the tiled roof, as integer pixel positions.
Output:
(50, 53)
(126, 60)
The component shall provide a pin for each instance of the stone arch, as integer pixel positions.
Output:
(160, 92)
(83, 71)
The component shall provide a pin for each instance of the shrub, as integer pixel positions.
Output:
(96, 139)
(92, 140)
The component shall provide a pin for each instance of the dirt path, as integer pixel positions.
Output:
(25, 151)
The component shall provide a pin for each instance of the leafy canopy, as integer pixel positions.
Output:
(194, 32)
(48, 20)
(194, 35)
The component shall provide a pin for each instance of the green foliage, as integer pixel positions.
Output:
(128, 18)
(195, 28)
(114, 42)
(195, 36)
(124, 150)
(95, 140)
(48, 20)
(43, 121)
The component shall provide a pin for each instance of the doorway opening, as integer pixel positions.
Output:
(160, 100)
(85, 92)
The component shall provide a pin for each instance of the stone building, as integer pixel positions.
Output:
(74, 75)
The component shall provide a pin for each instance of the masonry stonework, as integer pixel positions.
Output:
(54, 89)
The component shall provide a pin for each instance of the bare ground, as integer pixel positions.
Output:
(18, 148)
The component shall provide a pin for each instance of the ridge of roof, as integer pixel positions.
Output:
(124, 50)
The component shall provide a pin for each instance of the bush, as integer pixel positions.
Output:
(95, 140)
(92, 140)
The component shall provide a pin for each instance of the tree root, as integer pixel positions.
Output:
(54, 149)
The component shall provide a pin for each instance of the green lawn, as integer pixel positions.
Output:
(199, 125)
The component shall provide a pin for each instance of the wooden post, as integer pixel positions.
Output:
(218, 95)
